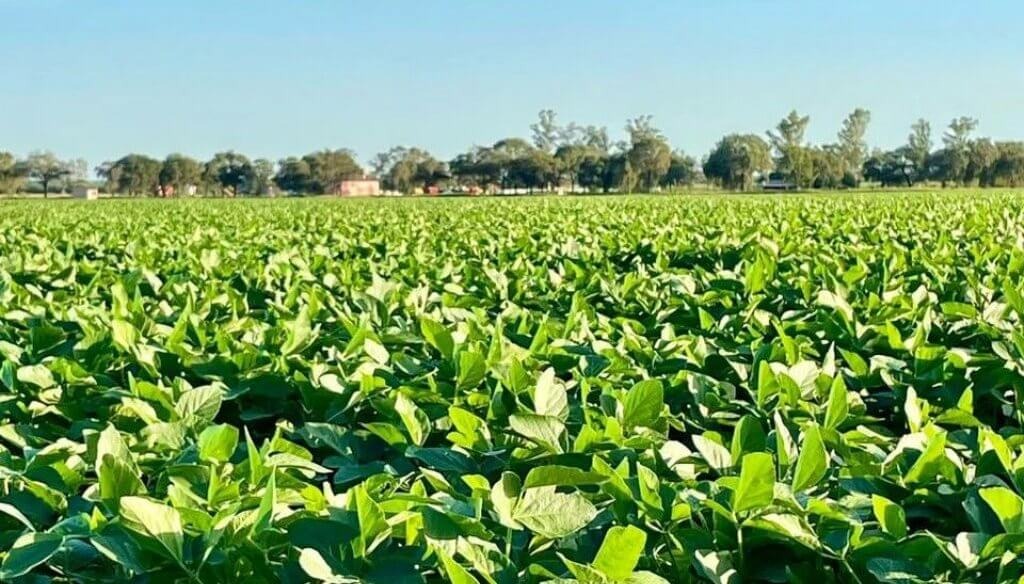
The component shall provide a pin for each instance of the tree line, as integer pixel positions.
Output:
(565, 156)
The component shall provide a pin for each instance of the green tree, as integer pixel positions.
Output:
(1008, 168)
(830, 167)
(404, 169)
(794, 159)
(853, 148)
(682, 171)
(12, 174)
(546, 131)
(919, 147)
(45, 168)
(293, 175)
(981, 156)
(229, 171)
(957, 141)
(648, 153)
(262, 177)
(136, 174)
(649, 158)
(178, 173)
(892, 168)
(329, 168)
(570, 158)
(737, 159)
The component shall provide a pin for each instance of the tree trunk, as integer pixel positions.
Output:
(46, 189)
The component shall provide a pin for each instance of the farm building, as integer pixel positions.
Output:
(85, 192)
(360, 187)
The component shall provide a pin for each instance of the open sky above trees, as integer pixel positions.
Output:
(96, 79)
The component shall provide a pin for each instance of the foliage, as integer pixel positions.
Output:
(737, 159)
(608, 390)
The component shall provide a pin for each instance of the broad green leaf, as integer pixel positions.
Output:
(550, 398)
(562, 476)
(551, 514)
(29, 551)
(438, 336)
(415, 421)
(837, 407)
(642, 404)
(198, 407)
(154, 520)
(757, 483)
(812, 463)
(620, 551)
(890, 516)
(543, 430)
(1007, 506)
(218, 443)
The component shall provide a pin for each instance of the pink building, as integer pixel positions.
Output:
(361, 187)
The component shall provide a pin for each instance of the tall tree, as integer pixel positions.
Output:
(293, 175)
(230, 171)
(919, 147)
(682, 171)
(136, 174)
(45, 168)
(262, 177)
(793, 158)
(737, 159)
(329, 168)
(546, 131)
(853, 148)
(179, 173)
(11, 173)
(649, 158)
(405, 169)
(957, 142)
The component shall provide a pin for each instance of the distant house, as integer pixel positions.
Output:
(85, 192)
(359, 187)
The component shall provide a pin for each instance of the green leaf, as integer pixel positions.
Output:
(218, 443)
(472, 368)
(373, 526)
(551, 514)
(717, 567)
(29, 551)
(36, 375)
(929, 464)
(716, 455)
(314, 565)
(812, 463)
(756, 487)
(890, 516)
(504, 497)
(455, 572)
(642, 405)
(156, 521)
(415, 421)
(124, 334)
(198, 407)
(1008, 507)
(563, 476)
(837, 407)
(264, 515)
(550, 398)
(543, 430)
(438, 336)
(620, 551)
(298, 332)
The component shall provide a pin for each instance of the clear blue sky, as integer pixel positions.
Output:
(97, 79)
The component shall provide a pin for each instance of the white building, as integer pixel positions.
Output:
(85, 192)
